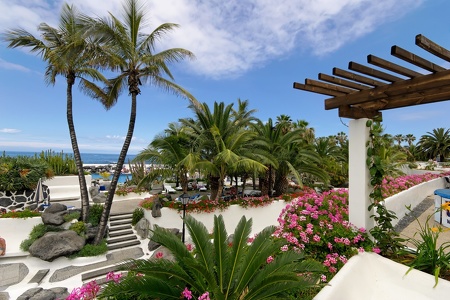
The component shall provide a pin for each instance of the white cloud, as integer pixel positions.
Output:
(234, 36)
(9, 130)
(11, 66)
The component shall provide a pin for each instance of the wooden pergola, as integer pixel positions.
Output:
(364, 92)
(369, 91)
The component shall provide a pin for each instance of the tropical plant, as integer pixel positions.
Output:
(222, 143)
(436, 143)
(22, 172)
(132, 52)
(138, 214)
(169, 149)
(426, 255)
(68, 52)
(225, 269)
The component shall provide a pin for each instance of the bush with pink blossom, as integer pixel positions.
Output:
(317, 224)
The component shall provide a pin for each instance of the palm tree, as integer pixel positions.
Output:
(410, 138)
(132, 52)
(222, 143)
(169, 149)
(233, 271)
(436, 143)
(70, 53)
(399, 138)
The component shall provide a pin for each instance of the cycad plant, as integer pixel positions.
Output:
(217, 267)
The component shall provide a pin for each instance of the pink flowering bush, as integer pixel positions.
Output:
(317, 225)
(391, 186)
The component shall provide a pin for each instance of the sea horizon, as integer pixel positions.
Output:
(87, 158)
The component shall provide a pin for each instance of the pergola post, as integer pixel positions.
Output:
(359, 176)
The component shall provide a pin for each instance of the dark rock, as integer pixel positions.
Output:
(152, 246)
(29, 293)
(156, 208)
(53, 218)
(5, 202)
(91, 232)
(143, 228)
(56, 207)
(55, 244)
(60, 292)
(44, 295)
(164, 253)
(100, 198)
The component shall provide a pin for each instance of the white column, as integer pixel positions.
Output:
(359, 176)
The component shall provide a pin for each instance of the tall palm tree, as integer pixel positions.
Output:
(169, 149)
(410, 138)
(132, 53)
(222, 142)
(240, 271)
(399, 138)
(70, 53)
(436, 143)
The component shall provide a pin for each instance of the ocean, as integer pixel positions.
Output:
(87, 158)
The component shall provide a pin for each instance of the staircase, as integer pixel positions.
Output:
(121, 234)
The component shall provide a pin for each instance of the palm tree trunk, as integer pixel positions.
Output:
(281, 184)
(214, 182)
(112, 189)
(76, 152)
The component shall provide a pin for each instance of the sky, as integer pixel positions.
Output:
(245, 49)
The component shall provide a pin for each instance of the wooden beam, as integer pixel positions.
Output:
(432, 47)
(357, 78)
(404, 100)
(372, 72)
(415, 59)
(346, 111)
(315, 89)
(331, 87)
(382, 63)
(343, 82)
(415, 85)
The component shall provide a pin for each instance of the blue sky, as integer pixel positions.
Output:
(252, 50)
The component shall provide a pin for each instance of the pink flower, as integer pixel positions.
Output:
(189, 247)
(159, 255)
(186, 293)
(114, 277)
(269, 259)
(376, 250)
(284, 248)
(204, 296)
(323, 278)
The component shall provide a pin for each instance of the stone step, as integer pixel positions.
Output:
(37, 278)
(120, 217)
(120, 222)
(124, 245)
(120, 233)
(98, 273)
(118, 228)
(122, 239)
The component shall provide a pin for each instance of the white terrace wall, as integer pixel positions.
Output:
(66, 187)
(14, 231)
(261, 217)
(412, 197)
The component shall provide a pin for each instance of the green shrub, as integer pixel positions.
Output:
(95, 213)
(23, 214)
(92, 250)
(138, 214)
(60, 163)
(72, 216)
(79, 228)
(37, 232)
(147, 203)
(21, 172)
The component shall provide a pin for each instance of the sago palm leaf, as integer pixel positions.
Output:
(221, 251)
